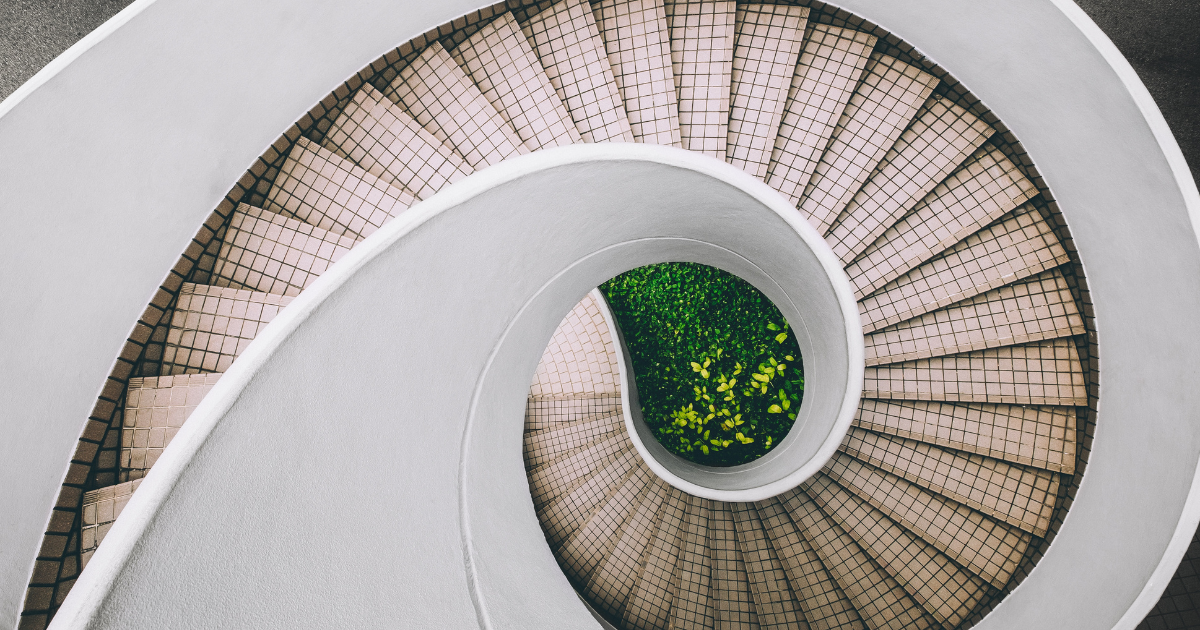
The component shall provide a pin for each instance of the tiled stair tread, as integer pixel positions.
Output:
(774, 602)
(939, 139)
(550, 480)
(273, 253)
(100, 508)
(1043, 437)
(321, 188)
(444, 100)
(1040, 307)
(594, 541)
(880, 601)
(831, 63)
(639, 52)
(768, 39)
(155, 409)
(983, 189)
(212, 325)
(732, 600)
(701, 35)
(1042, 373)
(542, 447)
(581, 357)
(504, 67)
(567, 42)
(650, 599)
(943, 589)
(693, 605)
(1018, 495)
(390, 144)
(564, 515)
(544, 413)
(824, 604)
(881, 107)
(610, 585)
(1017, 246)
(989, 548)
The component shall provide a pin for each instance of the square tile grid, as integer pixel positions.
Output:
(609, 587)
(701, 36)
(101, 508)
(774, 601)
(558, 476)
(732, 601)
(549, 412)
(542, 447)
(587, 548)
(566, 513)
(580, 358)
(693, 606)
(650, 601)
(639, 50)
(155, 409)
(211, 326)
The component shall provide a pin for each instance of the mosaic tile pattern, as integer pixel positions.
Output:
(650, 602)
(987, 547)
(558, 475)
(1041, 307)
(567, 512)
(987, 186)
(567, 42)
(1018, 495)
(1179, 607)
(941, 137)
(390, 144)
(610, 586)
(880, 601)
(639, 50)
(592, 543)
(701, 37)
(943, 589)
(693, 605)
(101, 508)
(1044, 373)
(548, 412)
(444, 100)
(155, 409)
(886, 100)
(269, 252)
(504, 67)
(732, 601)
(774, 601)
(543, 446)
(580, 359)
(1016, 247)
(824, 604)
(1034, 436)
(211, 326)
(320, 188)
(831, 64)
(766, 49)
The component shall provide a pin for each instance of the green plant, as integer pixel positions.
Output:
(717, 370)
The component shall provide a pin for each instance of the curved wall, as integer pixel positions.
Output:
(95, 213)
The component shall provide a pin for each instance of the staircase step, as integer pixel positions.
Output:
(549, 412)
(937, 142)
(732, 601)
(504, 67)
(989, 548)
(650, 600)
(440, 95)
(1041, 307)
(693, 605)
(567, 42)
(768, 39)
(211, 326)
(562, 517)
(610, 586)
(831, 64)
(556, 478)
(1033, 436)
(824, 604)
(1014, 248)
(155, 409)
(1043, 373)
(593, 542)
(984, 188)
(1018, 495)
(268, 252)
(639, 51)
(882, 106)
(774, 601)
(391, 145)
(101, 507)
(944, 590)
(323, 189)
(702, 64)
(542, 447)
(880, 601)
(580, 358)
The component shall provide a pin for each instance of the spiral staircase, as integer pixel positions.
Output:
(981, 376)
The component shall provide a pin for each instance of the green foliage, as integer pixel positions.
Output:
(717, 369)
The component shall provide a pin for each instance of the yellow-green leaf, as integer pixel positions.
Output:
(774, 409)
